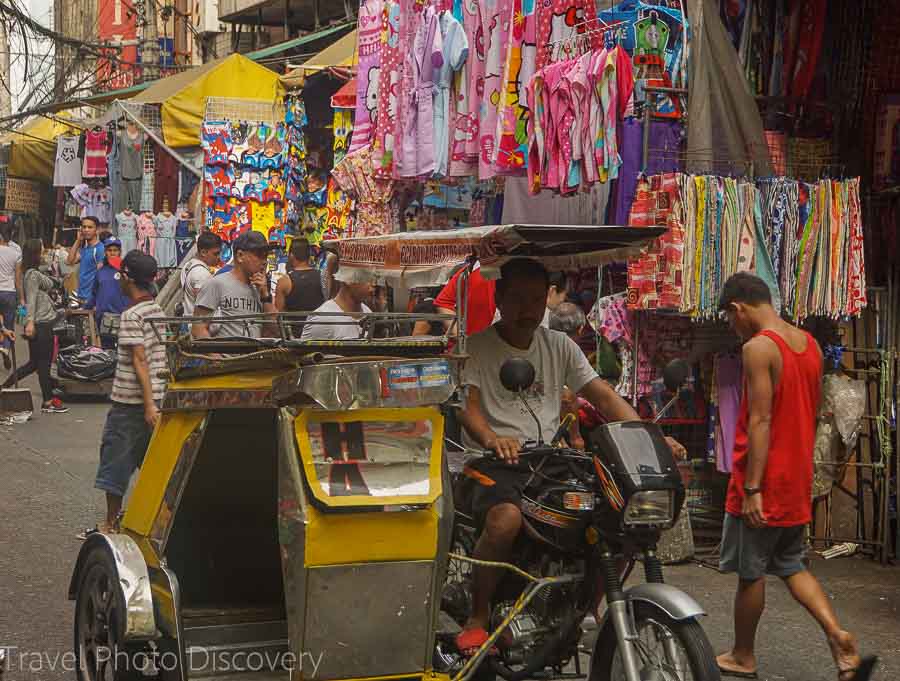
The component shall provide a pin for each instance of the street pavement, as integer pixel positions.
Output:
(47, 469)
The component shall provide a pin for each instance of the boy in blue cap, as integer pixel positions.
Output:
(106, 294)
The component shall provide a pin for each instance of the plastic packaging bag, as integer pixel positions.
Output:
(85, 363)
(840, 420)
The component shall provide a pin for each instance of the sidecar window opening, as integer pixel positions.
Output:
(224, 542)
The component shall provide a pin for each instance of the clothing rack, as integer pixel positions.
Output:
(582, 32)
(873, 361)
(251, 110)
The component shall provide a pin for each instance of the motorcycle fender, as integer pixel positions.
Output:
(672, 601)
(133, 580)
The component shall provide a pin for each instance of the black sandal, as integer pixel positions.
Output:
(863, 672)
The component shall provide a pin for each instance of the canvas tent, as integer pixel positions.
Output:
(340, 54)
(182, 97)
(33, 147)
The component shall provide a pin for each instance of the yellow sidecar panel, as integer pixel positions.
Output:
(163, 454)
(338, 538)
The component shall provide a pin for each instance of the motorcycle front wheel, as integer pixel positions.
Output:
(668, 650)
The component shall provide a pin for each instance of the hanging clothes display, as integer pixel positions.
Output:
(490, 114)
(250, 169)
(809, 233)
(573, 137)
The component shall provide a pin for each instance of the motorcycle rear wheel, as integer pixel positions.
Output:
(695, 660)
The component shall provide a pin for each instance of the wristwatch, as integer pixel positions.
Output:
(750, 491)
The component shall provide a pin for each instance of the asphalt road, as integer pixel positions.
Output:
(46, 475)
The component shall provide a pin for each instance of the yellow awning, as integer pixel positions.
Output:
(341, 53)
(183, 96)
(33, 150)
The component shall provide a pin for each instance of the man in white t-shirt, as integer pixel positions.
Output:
(349, 299)
(197, 270)
(494, 418)
(10, 281)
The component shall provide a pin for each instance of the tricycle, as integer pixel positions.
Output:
(294, 516)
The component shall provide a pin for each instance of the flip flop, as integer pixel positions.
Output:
(863, 672)
(737, 674)
(470, 640)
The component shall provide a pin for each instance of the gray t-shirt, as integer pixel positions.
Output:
(227, 296)
(558, 363)
(131, 153)
(345, 331)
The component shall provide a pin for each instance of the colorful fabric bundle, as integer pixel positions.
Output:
(804, 240)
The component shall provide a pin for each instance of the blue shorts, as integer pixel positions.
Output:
(125, 439)
(755, 552)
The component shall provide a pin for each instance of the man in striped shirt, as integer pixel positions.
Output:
(137, 388)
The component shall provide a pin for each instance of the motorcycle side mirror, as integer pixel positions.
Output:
(675, 374)
(517, 374)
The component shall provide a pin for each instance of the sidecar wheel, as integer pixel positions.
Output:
(695, 660)
(100, 651)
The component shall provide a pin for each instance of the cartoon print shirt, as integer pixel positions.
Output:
(216, 140)
(467, 86)
(496, 18)
(511, 135)
(369, 72)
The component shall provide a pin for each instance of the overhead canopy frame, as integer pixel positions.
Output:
(429, 258)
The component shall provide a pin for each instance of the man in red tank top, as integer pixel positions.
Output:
(769, 500)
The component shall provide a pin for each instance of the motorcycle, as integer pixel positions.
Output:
(589, 517)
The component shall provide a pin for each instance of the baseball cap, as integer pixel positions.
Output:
(139, 267)
(250, 241)
(112, 242)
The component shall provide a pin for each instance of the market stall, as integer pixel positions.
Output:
(468, 114)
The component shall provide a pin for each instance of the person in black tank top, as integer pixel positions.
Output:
(301, 290)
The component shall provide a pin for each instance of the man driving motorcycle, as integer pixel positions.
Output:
(494, 418)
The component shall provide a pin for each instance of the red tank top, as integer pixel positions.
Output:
(787, 482)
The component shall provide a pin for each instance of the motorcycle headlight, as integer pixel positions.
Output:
(655, 507)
